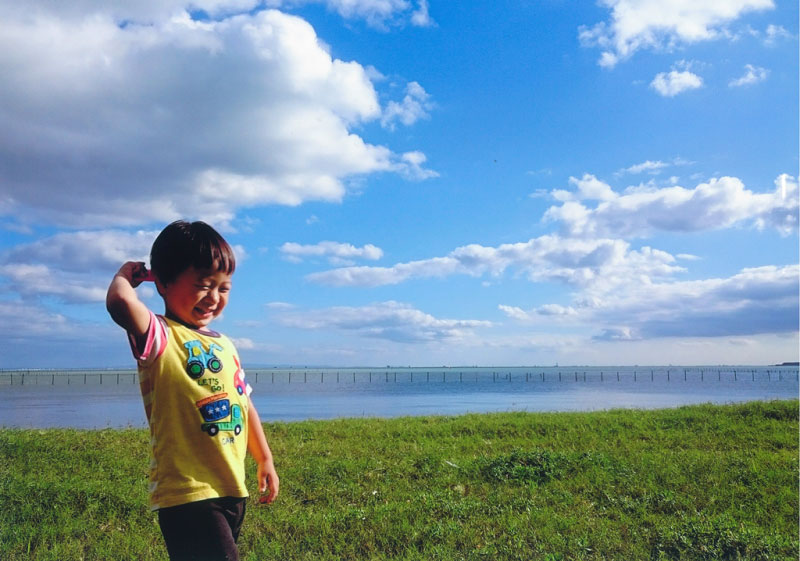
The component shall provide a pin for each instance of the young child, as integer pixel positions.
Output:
(202, 420)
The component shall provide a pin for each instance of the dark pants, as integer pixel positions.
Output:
(203, 530)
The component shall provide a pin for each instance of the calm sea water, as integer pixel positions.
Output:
(94, 399)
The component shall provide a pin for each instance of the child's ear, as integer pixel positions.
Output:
(160, 286)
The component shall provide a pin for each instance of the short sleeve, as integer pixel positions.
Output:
(153, 345)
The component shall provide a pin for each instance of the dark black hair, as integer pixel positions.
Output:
(189, 244)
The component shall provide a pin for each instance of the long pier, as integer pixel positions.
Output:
(431, 375)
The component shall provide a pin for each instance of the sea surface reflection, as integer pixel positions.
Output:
(92, 399)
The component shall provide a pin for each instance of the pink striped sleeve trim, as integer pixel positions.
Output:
(156, 336)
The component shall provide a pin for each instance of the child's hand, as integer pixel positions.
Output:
(267, 480)
(135, 272)
(123, 303)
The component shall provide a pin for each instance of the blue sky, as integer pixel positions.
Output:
(410, 182)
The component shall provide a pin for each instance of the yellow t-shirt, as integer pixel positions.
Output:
(196, 402)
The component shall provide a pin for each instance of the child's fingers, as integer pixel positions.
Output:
(268, 482)
(274, 486)
(141, 274)
(270, 497)
(262, 483)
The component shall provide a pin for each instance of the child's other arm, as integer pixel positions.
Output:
(122, 302)
(259, 449)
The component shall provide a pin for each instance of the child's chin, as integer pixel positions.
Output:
(201, 319)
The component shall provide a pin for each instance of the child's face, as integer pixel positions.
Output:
(197, 296)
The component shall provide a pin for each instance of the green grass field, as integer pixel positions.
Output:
(699, 482)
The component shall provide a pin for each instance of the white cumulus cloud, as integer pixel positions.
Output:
(129, 113)
(662, 24)
(754, 301)
(640, 211)
(598, 263)
(674, 82)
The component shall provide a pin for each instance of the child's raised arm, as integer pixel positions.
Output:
(122, 302)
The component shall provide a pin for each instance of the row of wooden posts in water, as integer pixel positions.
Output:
(18, 377)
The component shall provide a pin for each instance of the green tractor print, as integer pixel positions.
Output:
(200, 359)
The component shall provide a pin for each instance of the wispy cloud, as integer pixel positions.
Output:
(336, 253)
(648, 166)
(752, 75)
(82, 251)
(651, 167)
(65, 265)
(381, 14)
(415, 105)
(775, 33)
(547, 310)
(378, 13)
(38, 281)
(412, 166)
(390, 320)
(24, 321)
(421, 16)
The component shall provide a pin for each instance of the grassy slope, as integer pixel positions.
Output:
(700, 482)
